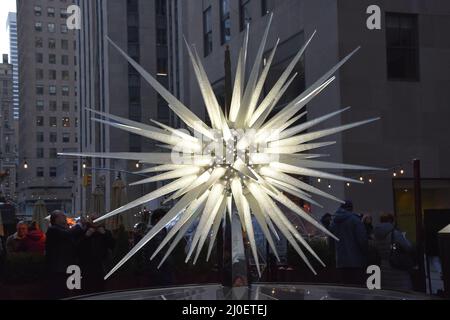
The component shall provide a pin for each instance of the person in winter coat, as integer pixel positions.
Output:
(386, 235)
(35, 240)
(352, 247)
(16, 242)
(94, 252)
(60, 252)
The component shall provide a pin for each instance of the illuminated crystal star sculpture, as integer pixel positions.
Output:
(247, 158)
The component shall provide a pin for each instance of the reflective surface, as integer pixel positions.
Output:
(259, 292)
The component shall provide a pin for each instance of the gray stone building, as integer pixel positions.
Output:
(48, 104)
(8, 147)
(401, 74)
(108, 84)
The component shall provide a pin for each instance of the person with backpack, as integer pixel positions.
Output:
(395, 251)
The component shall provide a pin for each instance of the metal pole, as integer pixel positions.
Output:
(420, 239)
(226, 227)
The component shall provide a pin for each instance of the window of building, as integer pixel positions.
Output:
(66, 138)
(64, 44)
(225, 21)
(402, 42)
(53, 106)
(39, 43)
(40, 153)
(66, 106)
(66, 122)
(63, 14)
(53, 137)
(40, 172)
(51, 44)
(51, 12)
(52, 58)
(53, 122)
(39, 57)
(75, 168)
(39, 121)
(267, 6)
(39, 74)
(38, 26)
(52, 153)
(52, 90)
(40, 90)
(244, 14)
(40, 105)
(65, 91)
(65, 75)
(64, 28)
(162, 66)
(207, 32)
(52, 74)
(161, 37)
(65, 60)
(52, 172)
(51, 27)
(161, 7)
(37, 11)
(39, 137)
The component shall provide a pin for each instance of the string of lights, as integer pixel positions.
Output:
(395, 171)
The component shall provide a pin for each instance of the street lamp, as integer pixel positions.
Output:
(25, 165)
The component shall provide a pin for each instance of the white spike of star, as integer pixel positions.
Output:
(244, 158)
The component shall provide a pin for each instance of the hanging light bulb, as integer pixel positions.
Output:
(361, 178)
(402, 172)
(370, 180)
(84, 165)
(137, 165)
(394, 174)
(25, 165)
(348, 184)
(319, 180)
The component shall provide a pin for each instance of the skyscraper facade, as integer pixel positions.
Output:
(8, 147)
(109, 84)
(48, 104)
(11, 28)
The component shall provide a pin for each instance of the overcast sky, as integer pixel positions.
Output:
(6, 6)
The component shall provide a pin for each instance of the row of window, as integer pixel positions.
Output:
(52, 153)
(53, 171)
(53, 138)
(39, 43)
(51, 12)
(402, 36)
(225, 20)
(53, 106)
(53, 122)
(53, 60)
(51, 27)
(53, 91)
(52, 75)
(40, 172)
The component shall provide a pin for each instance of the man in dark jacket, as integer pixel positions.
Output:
(60, 252)
(94, 252)
(352, 248)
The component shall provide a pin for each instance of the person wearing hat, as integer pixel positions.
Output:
(352, 247)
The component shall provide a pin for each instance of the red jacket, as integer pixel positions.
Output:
(35, 242)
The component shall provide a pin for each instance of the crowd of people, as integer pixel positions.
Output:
(362, 244)
(88, 245)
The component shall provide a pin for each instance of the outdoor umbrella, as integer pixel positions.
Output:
(118, 199)
(39, 214)
(98, 202)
